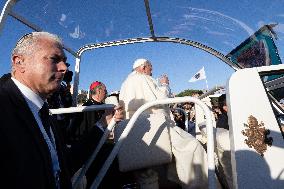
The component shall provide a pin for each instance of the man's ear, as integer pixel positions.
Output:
(18, 63)
(144, 69)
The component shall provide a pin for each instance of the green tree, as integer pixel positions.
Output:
(189, 92)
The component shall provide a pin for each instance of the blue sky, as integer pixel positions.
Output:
(178, 61)
(221, 27)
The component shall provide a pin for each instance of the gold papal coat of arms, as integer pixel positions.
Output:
(257, 135)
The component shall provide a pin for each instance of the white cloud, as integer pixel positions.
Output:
(238, 22)
(217, 33)
(260, 24)
(279, 28)
(155, 15)
(188, 17)
(280, 15)
(228, 44)
(172, 32)
(206, 16)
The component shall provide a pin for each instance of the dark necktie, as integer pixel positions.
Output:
(45, 119)
(44, 116)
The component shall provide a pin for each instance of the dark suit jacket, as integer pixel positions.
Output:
(83, 123)
(222, 121)
(83, 148)
(25, 160)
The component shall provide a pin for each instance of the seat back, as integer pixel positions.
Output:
(148, 143)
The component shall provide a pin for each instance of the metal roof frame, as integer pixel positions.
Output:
(7, 11)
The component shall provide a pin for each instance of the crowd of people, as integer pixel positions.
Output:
(183, 112)
(42, 151)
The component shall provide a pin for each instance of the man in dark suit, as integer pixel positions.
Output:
(86, 130)
(31, 154)
(83, 123)
(222, 121)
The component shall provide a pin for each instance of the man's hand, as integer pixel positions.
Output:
(117, 114)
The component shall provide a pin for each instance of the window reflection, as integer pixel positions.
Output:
(274, 85)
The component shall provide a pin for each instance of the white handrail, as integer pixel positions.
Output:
(6, 9)
(210, 140)
(82, 109)
(89, 162)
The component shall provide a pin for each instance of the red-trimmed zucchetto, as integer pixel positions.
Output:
(95, 84)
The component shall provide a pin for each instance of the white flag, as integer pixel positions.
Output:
(198, 76)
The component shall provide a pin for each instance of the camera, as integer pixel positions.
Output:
(68, 76)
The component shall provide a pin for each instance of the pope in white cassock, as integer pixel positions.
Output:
(189, 165)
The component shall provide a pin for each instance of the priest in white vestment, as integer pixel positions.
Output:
(189, 165)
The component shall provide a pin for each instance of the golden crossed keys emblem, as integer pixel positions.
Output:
(257, 135)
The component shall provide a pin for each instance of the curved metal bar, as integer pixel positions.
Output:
(150, 22)
(195, 44)
(210, 144)
(89, 162)
(5, 11)
(76, 81)
(143, 40)
(25, 21)
(161, 39)
(37, 28)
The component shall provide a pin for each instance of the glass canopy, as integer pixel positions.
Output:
(221, 25)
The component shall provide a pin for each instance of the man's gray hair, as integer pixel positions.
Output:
(27, 43)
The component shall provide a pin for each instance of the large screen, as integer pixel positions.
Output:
(258, 50)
